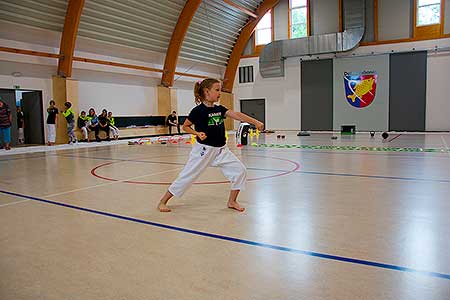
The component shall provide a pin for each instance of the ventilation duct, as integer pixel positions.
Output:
(271, 60)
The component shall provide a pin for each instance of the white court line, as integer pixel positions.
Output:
(446, 146)
(110, 183)
(94, 186)
(12, 203)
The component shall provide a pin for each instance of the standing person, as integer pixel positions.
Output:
(52, 120)
(82, 123)
(211, 148)
(70, 118)
(172, 120)
(20, 124)
(5, 124)
(112, 127)
(104, 124)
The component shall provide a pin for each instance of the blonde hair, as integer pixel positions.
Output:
(199, 87)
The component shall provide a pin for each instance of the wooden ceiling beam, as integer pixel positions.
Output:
(242, 40)
(69, 36)
(95, 61)
(176, 41)
(29, 52)
(244, 10)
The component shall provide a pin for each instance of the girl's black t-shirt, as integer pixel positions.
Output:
(52, 112)
(210, 121)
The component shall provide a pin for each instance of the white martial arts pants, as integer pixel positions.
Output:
(114, 131)
(84, 132)
(203, 156)
(21, 136)
(51, 128)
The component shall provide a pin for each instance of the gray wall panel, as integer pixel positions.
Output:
(447, 17)
(369, 34)
(317, 95)
(394, 19)
(407, 99)
(281, 15)
(372, 117)
(324, 16)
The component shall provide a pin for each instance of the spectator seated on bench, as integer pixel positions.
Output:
(137, 126)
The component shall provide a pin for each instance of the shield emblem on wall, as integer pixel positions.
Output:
(360, 88)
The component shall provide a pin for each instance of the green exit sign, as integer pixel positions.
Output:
(17, 87)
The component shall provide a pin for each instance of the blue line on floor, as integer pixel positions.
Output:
(242, 241)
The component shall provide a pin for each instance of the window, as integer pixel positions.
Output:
(263, 33)
(245, 74)
(298, 14)
(428, 12)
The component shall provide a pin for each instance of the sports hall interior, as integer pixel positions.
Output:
(347, 193)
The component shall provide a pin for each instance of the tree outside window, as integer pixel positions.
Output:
(428, 12)
(299, 18)
(263, 31)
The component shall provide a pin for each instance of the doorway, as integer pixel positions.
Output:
(31, 105)
(256, 108)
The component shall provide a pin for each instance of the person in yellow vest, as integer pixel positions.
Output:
(112, 126)
(82, 124)
(70, 118)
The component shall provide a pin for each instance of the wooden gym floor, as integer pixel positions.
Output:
(320, 222)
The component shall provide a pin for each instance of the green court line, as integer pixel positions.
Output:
(351, 148)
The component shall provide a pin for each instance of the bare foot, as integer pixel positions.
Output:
(163, 208)
(236, 206)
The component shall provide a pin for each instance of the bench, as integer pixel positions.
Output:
(137, 126)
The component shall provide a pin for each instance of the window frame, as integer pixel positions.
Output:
(258, 48)
(417, 13)
(429, 31)
(308, 18)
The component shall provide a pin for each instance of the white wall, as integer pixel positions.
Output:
(282, 94)
(438, 91)
(186, 103)
(122, 100)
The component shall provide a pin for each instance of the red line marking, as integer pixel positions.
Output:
(296, 167)
(393, 138)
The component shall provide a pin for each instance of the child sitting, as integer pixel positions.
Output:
(83, 123)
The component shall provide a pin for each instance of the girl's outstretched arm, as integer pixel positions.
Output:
(244, 118)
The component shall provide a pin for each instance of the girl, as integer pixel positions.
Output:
(52, 121)
(210, 149)
(93, 123)
(70, 118)
(112, 127)
(83, 123)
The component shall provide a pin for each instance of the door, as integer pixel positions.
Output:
(9, 97)
(255, 108)
(33, 117)
(407, 91)
(317, 95)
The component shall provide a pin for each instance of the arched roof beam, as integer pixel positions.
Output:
(176, 41)
(69, 36)
(242, 40)
(244, 10)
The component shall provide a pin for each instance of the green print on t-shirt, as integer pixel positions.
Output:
(215, 120)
